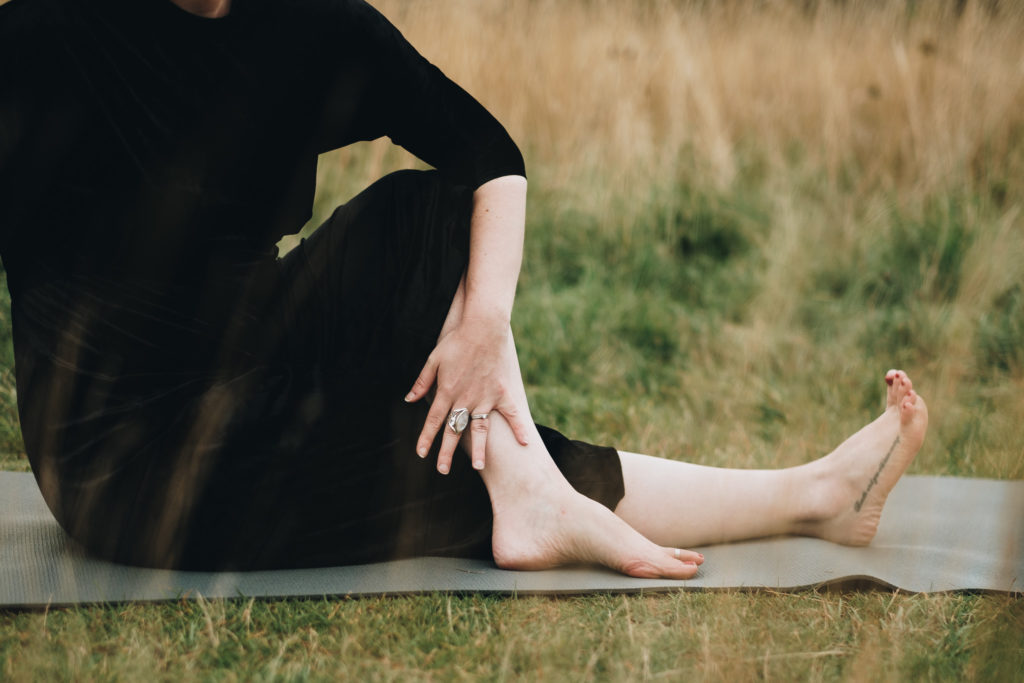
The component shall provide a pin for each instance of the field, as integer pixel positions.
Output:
(742, 214)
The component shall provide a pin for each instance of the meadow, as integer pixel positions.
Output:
(742, 213)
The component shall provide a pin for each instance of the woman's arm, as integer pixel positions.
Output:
(402, 95)
(474, 362)
(495, 248)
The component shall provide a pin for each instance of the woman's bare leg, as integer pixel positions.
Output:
(540, 521)
(839, 497)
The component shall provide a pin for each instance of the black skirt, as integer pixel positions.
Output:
(302, 452)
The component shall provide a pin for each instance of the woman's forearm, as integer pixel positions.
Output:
(473, 365)
(496, 248)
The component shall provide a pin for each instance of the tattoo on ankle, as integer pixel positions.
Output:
(874, 480)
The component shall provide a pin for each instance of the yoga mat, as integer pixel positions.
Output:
(937, 534)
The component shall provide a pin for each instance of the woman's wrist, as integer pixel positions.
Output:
(487, 314)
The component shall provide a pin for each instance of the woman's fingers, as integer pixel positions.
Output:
(450, 440)
(425, 380)
(435, 421)
(479, 428)
(512, 415)
(448, 443)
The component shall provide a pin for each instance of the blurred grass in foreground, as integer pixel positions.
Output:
(858, 635)
(741, 215)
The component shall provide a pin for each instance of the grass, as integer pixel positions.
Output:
(741, 215)
(863, 635)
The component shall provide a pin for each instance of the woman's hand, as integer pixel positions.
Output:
(475, 367)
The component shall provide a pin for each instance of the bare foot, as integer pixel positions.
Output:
(560, 527)
(859, 474)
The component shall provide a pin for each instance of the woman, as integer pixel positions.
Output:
(189, 400)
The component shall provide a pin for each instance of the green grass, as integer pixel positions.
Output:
(11, 456)
(865, 635)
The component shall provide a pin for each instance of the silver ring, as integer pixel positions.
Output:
(677, 553)
(457, 420)
(479, 416)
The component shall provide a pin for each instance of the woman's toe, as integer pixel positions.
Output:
(686, 556)
(890, 389)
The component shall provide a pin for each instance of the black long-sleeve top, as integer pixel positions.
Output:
(148, 156)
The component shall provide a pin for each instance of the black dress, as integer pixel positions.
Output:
(187, 398)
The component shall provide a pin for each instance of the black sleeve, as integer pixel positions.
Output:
(407, 98)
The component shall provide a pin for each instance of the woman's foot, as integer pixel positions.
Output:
(560, 527)
(854, 480)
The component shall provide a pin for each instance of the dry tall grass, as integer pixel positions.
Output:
(913, 100)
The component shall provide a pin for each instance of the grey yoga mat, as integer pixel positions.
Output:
(937, 534)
